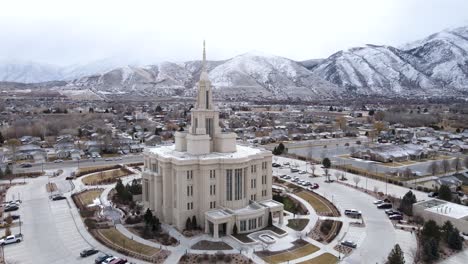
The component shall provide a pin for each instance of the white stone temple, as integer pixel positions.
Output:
(206, 175)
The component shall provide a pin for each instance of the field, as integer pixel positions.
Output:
(104, 177)
(298, 224)
(88, 196)
(326, 258)
(296, 253)
(317, 203)
(115, 237)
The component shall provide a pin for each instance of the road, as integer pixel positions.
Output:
(376, 240)
(78, 164)
(53, 231)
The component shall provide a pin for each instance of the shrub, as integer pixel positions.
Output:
(326, 226)
(220, 255)
(227, 259)
(90, 223)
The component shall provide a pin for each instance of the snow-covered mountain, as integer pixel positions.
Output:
(28, 72)
(432, 65)
(436, 65)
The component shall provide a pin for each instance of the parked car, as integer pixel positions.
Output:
(108, 159)
(11, 239)
(296, 179)
(396, 217)
(109, 260)
(26, 165)
(15, 217)
(433, 194)
(352, 212)
(286, 163)
(10, 208)
(384, 206)
(302, 172)
(69, 178)
(308, 183)
(58, 197)
(275, 165)
(101, 258)
(294, 170)
(58, 161)
(118, 261)
(288, 177)
(378, 202)
(349, 243)
(88, 252)
(314, 186)
(392, 212)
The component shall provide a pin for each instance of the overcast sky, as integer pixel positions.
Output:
(69, 31)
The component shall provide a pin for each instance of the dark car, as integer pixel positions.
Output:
(15, 217)
(275, 165)
(433, 194)
(392, 212)
(69, 178)
(348, 243)
(25, 165)
(384, 206)
(88, 252)
(396, 217)
(294, 170)
(101, 258)
(118, 261)
(11, 208)
(58, 197)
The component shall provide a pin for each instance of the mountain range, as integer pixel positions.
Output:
(433, 66)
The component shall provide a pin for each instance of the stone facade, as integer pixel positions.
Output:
(206, 175)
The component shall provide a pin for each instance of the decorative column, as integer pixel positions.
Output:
(281, 217)
(207, 226)
(215, 231)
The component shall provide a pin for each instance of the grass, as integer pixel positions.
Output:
(86, 170)
(211, 245)
(315, 202)
(326, 258)
(117, 238)
(464, 188)
(51, 187)
(298, 224)
(104, 177)
(290, 255)
(87, 197)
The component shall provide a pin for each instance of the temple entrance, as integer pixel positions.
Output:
(222, 229)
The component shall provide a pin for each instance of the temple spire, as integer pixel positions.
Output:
(204, 56)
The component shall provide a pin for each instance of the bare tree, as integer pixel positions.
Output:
(466, 162)
(407, 173)
(457, 164)
(433, 168)
(356, 180)
(376, 189)
(326, 174)
(312, 168)
(445, 165)
(337, 175)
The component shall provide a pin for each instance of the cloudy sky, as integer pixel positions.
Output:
(68, 32)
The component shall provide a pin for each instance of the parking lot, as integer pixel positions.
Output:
(50, 232)
(378, 227)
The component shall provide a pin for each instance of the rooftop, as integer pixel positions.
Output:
(170, 152)
(441, 207)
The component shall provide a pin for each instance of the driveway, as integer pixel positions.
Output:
(50, 232)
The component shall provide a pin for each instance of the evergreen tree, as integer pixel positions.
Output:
(371, 112)
(1, 173)
(406, 205)
(8, 171)
(275, 151)
(194, 222)
(281, 148)
(156, 224)
(396, 256)
(431, 230)
(455, 241)
(2, 139)
(446, 229)
(188, 224)
(326, 163)
(270, 219)
(148, 217)
(430, 250)
(445, 193)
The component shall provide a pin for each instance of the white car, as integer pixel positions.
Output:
(302, 172)
(10, 240)
(108, 260)
(58, 161)
(378, 202)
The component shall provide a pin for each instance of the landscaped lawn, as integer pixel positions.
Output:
(293, 254)
(104, 177)
(326, 258)
(298, 224)
(315, 202)
(87, 197)
(211, 245)
(117, 238)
